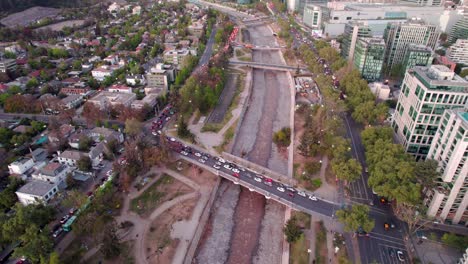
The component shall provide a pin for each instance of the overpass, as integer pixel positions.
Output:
(259, 65)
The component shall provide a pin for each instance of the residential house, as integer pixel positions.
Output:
(106, 99)
(39, 155)
(72, 101)
(63, 132)
(53, 172)
(70, 157)
(7, 65)
(118, 88)
(150, 100)
(76, 90)
(20, 166)
(102, 133)
(36, 192)
(137, 79)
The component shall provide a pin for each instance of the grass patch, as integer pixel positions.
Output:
(239, 53)
(151, 197)
(303, 219)
(228, 136)
(320, 243)
(299, 254)
(244, 58)
(216, 127)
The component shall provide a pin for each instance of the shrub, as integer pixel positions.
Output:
(312, 167)
(282, 138)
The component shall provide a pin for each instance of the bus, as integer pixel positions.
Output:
(67, 226)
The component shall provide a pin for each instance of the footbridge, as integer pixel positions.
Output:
(259, 65)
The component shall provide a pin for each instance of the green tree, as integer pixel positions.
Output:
(76, 65)
(84, 163)
(110, 243)
(75, 198)
(54, 258)
(182, 129)
(133, 127)
(282, 138)
(36, 245)
(32, 83)
(356, 218)
(427, 172)
(85, 143)
(459, 242)
(292, 230)
(349, 170)
(464, 73)
(8, 196)
(5, 136)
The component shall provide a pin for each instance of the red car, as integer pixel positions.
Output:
(235, 174)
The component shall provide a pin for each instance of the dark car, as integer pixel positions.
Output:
(391, 252)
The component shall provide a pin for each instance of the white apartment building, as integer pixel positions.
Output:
(380, 90)
(458, 52)
(36, 192)
(20, 166)
(448, 201)
(53, 172)
(158, 78)
(426, 93)
(177, 56)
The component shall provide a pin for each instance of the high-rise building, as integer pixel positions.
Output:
(353, 31)
(459, 30)
(368, 57)
(458, 52)
(417, 55)
(398, 36)
(449, 201)
(300, 5)
(426, 92)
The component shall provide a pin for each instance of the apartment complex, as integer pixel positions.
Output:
(459, 30)
(177, 56)
(368, 57)
(448, 201)
(423, 2)
(398, 36)
(458, 52)
(417, 55)
(426, 93)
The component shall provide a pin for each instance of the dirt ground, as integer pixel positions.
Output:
(162, 248)
(61, 25)
(170, 190)
(29, 15)
(202, 177)
(249, 214)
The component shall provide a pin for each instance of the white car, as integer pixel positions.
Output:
(227, 166)
(172, 139)
(400, 255)
(184, 153)
(202, 160)
(154, 133)
(301, 193)
(312, 197)
(109, 173)
(281, 189)
(197, 154)
(235, 170)
(221, 160)
(257, 179)
(216, 167)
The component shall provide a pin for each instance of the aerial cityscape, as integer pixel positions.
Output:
(233, 132)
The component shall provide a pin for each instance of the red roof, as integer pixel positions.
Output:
(3, 87)
(21, 61)
(35, 73)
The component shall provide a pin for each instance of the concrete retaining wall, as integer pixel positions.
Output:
(201, 225)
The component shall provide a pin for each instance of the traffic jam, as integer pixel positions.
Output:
(274, 187)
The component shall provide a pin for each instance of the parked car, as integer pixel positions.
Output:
(64, 219)
(401, 256)
(57, 232)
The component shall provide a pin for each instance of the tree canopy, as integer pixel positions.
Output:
(356, 218)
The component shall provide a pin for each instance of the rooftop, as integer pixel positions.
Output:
(71, 154)
(36, 188)
(440, 77)
(20, 161)
(52, 169)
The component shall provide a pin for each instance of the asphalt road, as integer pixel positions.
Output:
(205, 58)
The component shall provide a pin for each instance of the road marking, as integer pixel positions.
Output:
(357, 155)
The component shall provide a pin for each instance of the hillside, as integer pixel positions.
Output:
(11, 6)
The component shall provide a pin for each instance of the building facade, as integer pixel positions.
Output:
(312, 16)
(398, 37)
(458, 52)
(20, 166)
(448, 201)
(459, 30)
(353, 31)
(36, 192)
(368, 57)
(417, 55)
(7, 65)
(426, 93)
